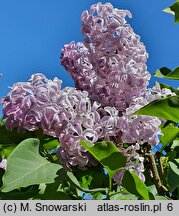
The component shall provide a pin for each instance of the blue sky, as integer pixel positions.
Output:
(32, 33)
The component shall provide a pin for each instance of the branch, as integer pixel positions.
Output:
(160, 168)
(156, 178)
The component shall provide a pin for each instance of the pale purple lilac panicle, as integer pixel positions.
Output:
(111, 66)
(22, 107)
(111, 63)
(137, 130)
(65, 113)
(111, 78)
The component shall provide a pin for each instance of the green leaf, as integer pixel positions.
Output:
(49, 142)
(174, 10)
(74, 182)
(166, 73)
(175, 147)
(170, 132)
(169, 11)
(7, 151)
(134, 185)
(12, 137)
(2, 122)
(26, 167)
(162, 85)
(99, 196)
(107, 154)
(152, 189)
(173, 174)
(86, 181)
(166, 108)
(59, 181)
(161, 198)
(91, 178)
(57, 195)
(18, 195)
(178, 193)
(171, 155)
(175, 144)
(73, 178)
(2, 171)
(123, 196)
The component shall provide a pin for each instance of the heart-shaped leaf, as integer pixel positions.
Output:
(26, 167)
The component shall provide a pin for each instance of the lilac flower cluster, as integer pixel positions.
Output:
(143, 129)
(64, 113)
(111, 66)
(22, 107)
(111, 78)
(139, 129)
(70, 115)
(111, 63)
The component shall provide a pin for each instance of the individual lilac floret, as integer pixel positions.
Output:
(3, 164)
(22, 107)
(1, 75)
(111, 63)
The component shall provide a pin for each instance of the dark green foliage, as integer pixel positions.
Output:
(174, 10)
